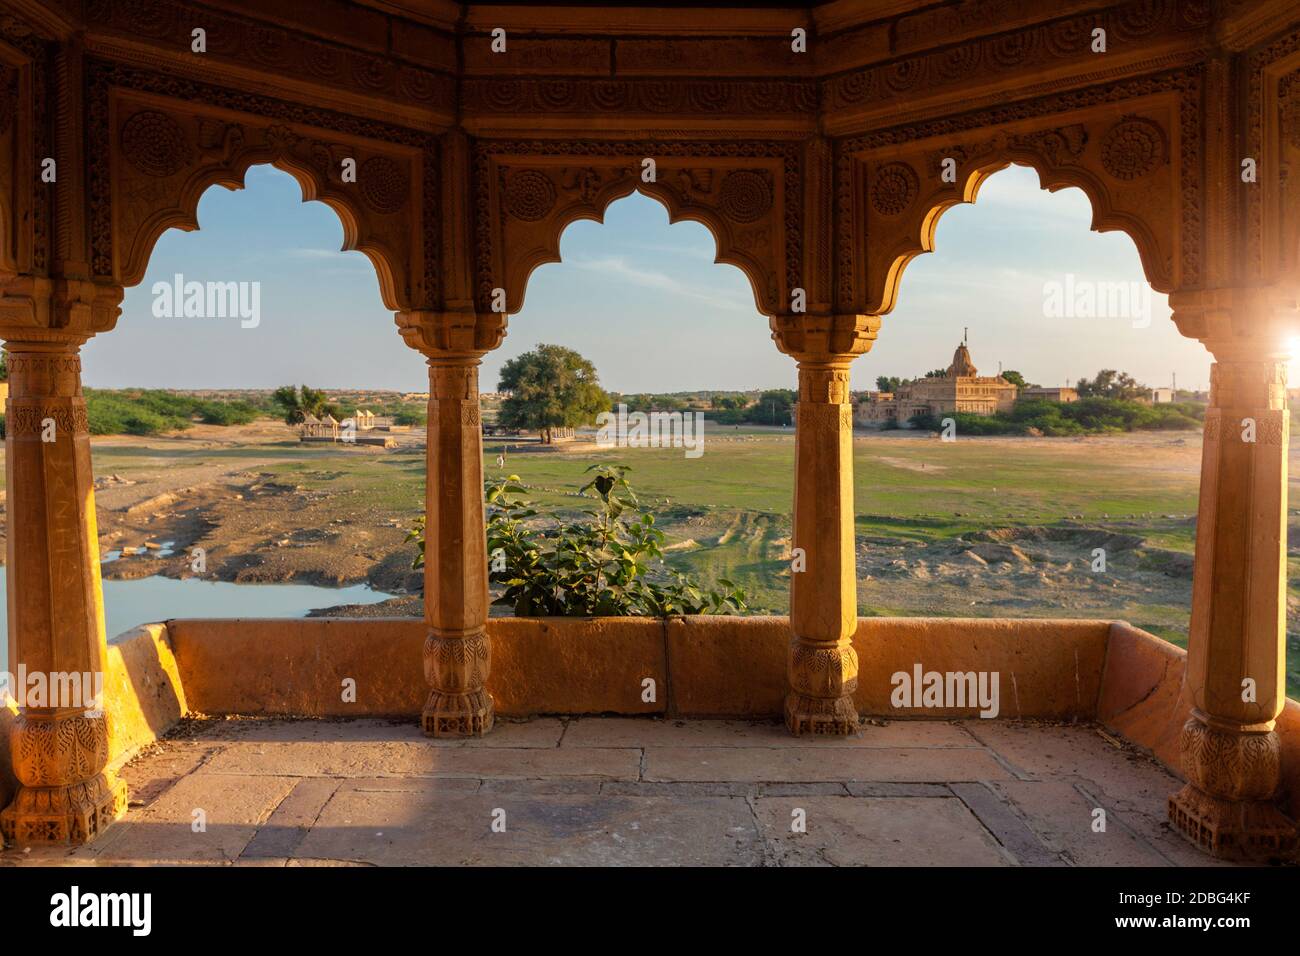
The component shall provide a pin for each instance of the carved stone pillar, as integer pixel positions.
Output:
(56, 608)
(1236, 675)
(457, 653)
(822, 667)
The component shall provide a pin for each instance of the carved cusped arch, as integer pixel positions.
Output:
(162, 155)
(1134, 163)
(526, 194)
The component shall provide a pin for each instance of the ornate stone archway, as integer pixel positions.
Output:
(821, 173)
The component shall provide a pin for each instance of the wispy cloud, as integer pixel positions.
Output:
(618, 267)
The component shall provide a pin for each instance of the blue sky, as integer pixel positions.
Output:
(642, 299)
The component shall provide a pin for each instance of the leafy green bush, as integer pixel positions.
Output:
(1087, 416)
(411, 416)
(150, 411)
(608, 563)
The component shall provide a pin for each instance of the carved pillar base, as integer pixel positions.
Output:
(1226, 807)
(827, 708)
(456, 665)
(48, 752)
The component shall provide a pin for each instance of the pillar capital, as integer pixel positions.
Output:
(456, 336)
(1240, 324)
(37, 310)
(824, 338)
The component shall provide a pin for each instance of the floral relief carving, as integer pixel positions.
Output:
(155, 144)
(1133, 148)
(745, 196)
(384, 184)
(895, 189)
(530, 195)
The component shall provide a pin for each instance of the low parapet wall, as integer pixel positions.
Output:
(699, 666)
(1123, 677)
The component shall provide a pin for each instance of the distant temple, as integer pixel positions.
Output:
(960, 389)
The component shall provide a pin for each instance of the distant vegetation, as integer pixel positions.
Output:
(1087, 416)
(295, 404)
(150, 411)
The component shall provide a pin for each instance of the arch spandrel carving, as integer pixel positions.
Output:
(157, 143)
(165, 158)
(1125, 162)
(745, 194)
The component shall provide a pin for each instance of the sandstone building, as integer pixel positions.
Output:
(960, 389)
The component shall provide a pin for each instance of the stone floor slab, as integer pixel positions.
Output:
(419, 758)
(645, 732)
(786, 765)
(876, 831)
(1063, 819)
(233, 808)
(540, 732)
(443, 829)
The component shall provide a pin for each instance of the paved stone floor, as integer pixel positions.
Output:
(638, 791)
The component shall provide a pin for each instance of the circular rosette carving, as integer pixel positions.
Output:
(856, 87)
(662, 96)
(745, 196)
(1133, 148)
(710, 97)
(764, 97)
(321, 61)
(372, 73)
(502, 94)
(155, 144)
(608, 95)
(895, 189)
(1013, 49)
(556, 94)
(265, 46)
(416, 84)
(904, 75)
(1138, 19)
(383, 184)
(958, 62)
(1069, 38)
(529, 195)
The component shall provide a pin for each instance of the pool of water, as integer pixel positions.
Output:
(145, 600)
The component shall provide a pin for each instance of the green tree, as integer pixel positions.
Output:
(1015, 378)
(550, 387)
(296, 404)
(888, 383)
(1108, 383)
(774, 407)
